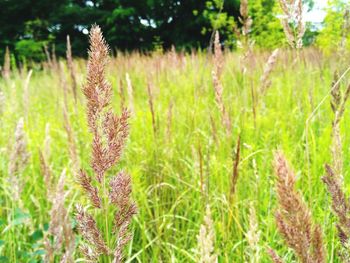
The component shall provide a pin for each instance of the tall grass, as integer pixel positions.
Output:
(186, 167)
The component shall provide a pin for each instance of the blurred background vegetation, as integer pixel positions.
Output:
(27, 26)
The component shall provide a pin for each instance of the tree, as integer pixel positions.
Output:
(267, 31)
(25, 19)
(334, 34)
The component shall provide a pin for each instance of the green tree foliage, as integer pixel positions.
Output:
(25, 19)
(334, 27)
(26, 25)
(128, 24)
(267, 31)
(218, 13)
(29, 49)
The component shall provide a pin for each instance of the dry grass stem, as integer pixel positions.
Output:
(54, 58)
(338, 102)
(71, 68)
(2, 102)
(26, 94)
(72, 148)
(218, 88)
(130, 93)
(47, 142)
(218, 56)
(63, 84)
(6, 71)
(214, 131)
(151, 107)
(122, 94)
(169, 121)
(44, 157)
(45, 170)
(48, 57)
(201, 173)
(235, 170)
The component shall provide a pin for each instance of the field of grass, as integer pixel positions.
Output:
(180, 157)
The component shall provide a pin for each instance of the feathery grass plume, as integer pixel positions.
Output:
(292, 22)
(274, 257)
(120, 196)
(225, 118)
(60, 240)
(26, 94)
(71, 68)
(341, 208)
(334, 174)
(109, 135)
(86, 182)
(130, 93)
(265, 82)
(218, 88)
(235, 171)
(6, 71)
(206, 239)
(88, 228)
(19, 158)
(293, 217)
(151, 107)
(253, 236)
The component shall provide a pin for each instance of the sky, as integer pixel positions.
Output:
(317, 14)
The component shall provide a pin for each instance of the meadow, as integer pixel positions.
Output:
(184, 152)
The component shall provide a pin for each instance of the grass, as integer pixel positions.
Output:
(166, 171)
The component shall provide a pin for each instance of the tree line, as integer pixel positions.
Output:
(27, 26)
